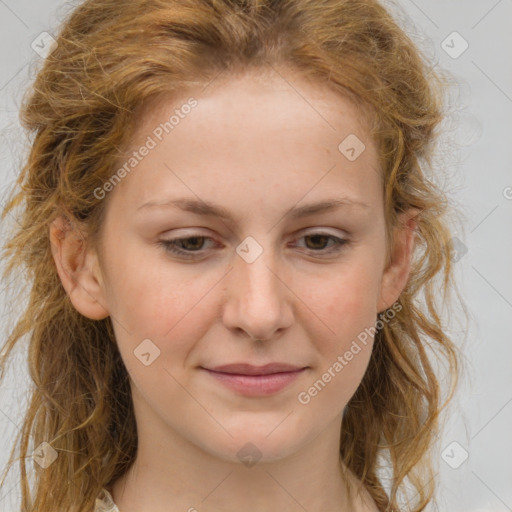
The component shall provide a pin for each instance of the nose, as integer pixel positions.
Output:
(258, 299)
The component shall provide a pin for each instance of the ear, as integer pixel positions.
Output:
(396, 274)
(78, 269)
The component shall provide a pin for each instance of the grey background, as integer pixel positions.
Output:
(477, 158)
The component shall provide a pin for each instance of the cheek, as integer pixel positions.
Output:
(347, 300)
(343, 340)
(156, 302)
(165, 314)
(145, 291)
(173, 319)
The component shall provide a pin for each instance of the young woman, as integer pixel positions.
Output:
(235, 257)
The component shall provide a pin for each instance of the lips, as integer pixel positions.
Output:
(256, 381)
(248, 369)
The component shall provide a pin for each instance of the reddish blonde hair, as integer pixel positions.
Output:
(111, 59)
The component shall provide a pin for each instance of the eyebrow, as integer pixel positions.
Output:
(206, 209)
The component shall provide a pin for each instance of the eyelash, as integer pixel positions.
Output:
(170, 245)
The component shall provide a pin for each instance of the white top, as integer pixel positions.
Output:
(105, 502)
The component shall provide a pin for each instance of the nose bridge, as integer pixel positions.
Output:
(256, 272)
(258, 301)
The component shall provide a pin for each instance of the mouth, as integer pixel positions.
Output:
(249, 380)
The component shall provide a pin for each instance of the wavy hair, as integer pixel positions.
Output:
(111, 58)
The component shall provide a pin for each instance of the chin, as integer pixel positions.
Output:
(253, 446)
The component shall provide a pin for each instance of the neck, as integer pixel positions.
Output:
(173, 476)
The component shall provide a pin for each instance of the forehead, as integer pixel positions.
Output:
(275, 131)
(274, 97)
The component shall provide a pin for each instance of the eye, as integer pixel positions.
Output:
(192, 246)
(319, 240)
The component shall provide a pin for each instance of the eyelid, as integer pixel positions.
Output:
(170, 245)
(324, 231)
(317, 230)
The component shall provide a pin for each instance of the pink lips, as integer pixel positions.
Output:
(252, 380)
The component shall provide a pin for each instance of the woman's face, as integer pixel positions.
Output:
(262, 274)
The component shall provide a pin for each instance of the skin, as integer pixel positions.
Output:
(257, 147)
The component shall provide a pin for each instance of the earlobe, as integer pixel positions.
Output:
(396, 274)
(78, 269)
